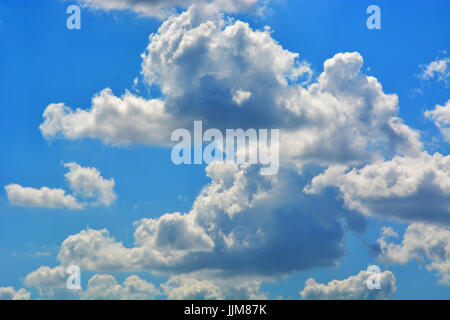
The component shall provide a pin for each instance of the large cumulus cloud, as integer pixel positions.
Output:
(228, 75)
(235, 224)
(405, 188)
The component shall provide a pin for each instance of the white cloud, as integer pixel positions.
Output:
(389, 232)
(124, 120)
(439, 69)
(406, 188)
(424, 243)
(441, 118)
(9, 293)
(85, 182)
(50, 282)
(88, 183)
(105, 287)
(241, 96)
(163, 8)
(352, 288)
(190, 287)
(96, 250)
(43, 197)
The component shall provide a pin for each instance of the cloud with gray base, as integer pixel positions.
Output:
(237, 220)
(411, 189)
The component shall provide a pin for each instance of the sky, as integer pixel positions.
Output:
(87, 178)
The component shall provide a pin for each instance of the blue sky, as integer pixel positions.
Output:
(42, 62)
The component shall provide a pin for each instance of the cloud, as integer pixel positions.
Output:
(85, 182)
(163, 8)
(105, 287)
(9, 293)
(441, 118)
(236, 222)
(389, 232)
(406, 188)
(241, 96)
(352, 288)
(190, 287)
(424, 243)
(43, 197)
(124, 120)
(207, 66)
(439, 69)
(223, 72)
(50, 282)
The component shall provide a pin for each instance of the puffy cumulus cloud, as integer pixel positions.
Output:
(163, 8)
(202, 65)
(197, 287)
(345, 117)
(173, 232)
(228, 75)
(105, 287)
(114, 120)
(352, 288)
(237, 222)
(85, 182)
(43, 197)
(438, 69)
(424, 243)
(441, 118)
(88, 183)
(50, 282)
(405, 188)
(9, 293)
(96, 250)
